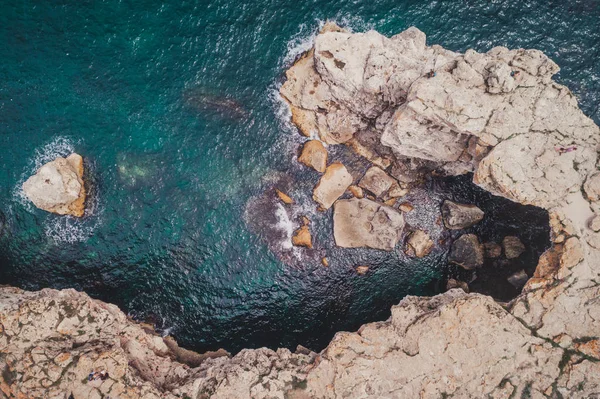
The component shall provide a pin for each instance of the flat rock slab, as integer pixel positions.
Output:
(332, 185)
(58, 187)
(376, 181)
(460, 216)
(362, 223)
(314, 155)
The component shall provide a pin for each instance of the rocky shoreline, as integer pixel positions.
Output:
(412, 110)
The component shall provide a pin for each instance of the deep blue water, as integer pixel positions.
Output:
(174, 107)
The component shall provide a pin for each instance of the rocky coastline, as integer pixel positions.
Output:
(411, 110)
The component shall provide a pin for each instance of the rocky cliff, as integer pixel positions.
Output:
(411, 109)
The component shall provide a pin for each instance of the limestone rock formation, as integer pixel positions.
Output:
(419, 244)
(314, 155)
(474, 115)
(58, 186)
(460, 216)
(332, 185)
(365, 223)
(467, 252)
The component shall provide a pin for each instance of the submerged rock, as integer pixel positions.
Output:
(362, 270)
(492, 250)
(518, 279)
(58, 186)
(460, 216)
(467, 252)
(453, 283)
(365, 223)
(376, 181)
(513, 247)
(314, 155)
(332, 185)
(419, 244)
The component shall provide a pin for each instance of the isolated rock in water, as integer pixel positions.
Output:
(332, 185)
(376, 181)
(513, 247)
(419, 244)
(452, 283)
(492, 250)
(460, 216)
(365, 223)
(302, 236)
(314, 155)
(58, 186)
(362, 270)
(286, 199)
(467, 252)
(518, 279)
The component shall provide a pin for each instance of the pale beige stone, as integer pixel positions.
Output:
(58, 186)
(332, 185)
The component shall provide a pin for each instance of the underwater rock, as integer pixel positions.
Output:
(362, 270)
(492, 249)
(419, 244)
(58, 186)
(376, 181)
(460, 216)
(204, 100)
(467, 252)
(513, 247)
(364, 223)
(314, 155)
(332, 185)
(453, 283)
(518, 279)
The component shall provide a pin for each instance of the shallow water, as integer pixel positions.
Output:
(174, 108)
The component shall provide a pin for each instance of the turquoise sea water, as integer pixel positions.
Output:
(174, 106)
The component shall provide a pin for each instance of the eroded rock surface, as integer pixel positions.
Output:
(477, 115)
(58, 187)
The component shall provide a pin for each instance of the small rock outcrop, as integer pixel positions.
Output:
(302, 236)
(314, 155)
(460, 216)
(513, 247)
(364, 223)
(419, 244)
(467, 252)
(332, 185)
(58, 186)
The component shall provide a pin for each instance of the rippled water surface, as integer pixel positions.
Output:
(174, 107)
